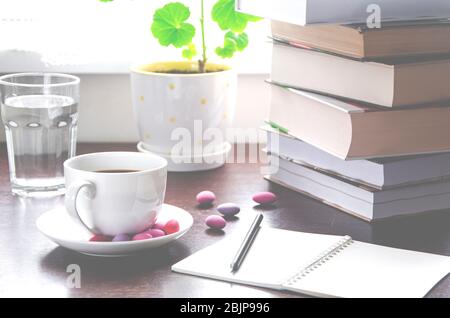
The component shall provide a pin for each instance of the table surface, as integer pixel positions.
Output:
(31, 265)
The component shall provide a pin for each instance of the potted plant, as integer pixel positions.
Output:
(177, 102)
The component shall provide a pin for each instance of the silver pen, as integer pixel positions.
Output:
(247, 243)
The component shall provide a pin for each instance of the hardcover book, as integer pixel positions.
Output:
(358, 41)
(380, 173)
(356, 131)
(393, 83)
(303, 12)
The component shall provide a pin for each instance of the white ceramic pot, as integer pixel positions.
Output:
(184, 115)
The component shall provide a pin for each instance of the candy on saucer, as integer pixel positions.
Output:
(156, 232)
(142, 236)
(121, 238)
(100, 238)
(171, 226)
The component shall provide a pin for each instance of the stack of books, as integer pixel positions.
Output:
(360, 116)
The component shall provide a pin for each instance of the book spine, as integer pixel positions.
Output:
(321, 259)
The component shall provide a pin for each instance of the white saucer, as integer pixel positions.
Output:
(206, 161)
(57, 225)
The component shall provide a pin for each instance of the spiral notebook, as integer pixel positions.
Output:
(320, 265)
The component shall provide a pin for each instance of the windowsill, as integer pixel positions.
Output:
(19, 61)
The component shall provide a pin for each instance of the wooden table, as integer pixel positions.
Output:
(31, 265)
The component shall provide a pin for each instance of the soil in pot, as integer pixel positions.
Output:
(181, 68)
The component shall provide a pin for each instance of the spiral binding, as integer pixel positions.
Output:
(321, 259)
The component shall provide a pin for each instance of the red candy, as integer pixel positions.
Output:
(172, 226)
(100, 238)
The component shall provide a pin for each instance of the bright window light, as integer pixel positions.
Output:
(89, 36)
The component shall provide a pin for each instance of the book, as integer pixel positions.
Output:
(367, 203)
(359, 41)
(356, 131)
(320, 265)
(380, 173)
(304, 12)
(393, 83)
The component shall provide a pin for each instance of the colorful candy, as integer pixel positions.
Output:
(228, 209)
(215, 222)
(264, 198)
(205, 197)
(158, 229)
(156, 232)
(142, 236)
(171, 226)
(121, 238)
(100, 238)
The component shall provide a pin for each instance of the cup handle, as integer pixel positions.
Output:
(71, 198)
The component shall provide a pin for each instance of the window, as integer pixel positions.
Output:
(88, 36)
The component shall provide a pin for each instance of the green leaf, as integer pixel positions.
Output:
(232, 43)
(169, 25)
(189, 51)
(240, 39)
(228, 49)
(106, 0)
(228, 18)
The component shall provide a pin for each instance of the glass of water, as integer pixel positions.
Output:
(40, 115)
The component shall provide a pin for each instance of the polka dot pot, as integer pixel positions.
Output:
(184, 114)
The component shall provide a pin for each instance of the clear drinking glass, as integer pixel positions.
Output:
(40, 114)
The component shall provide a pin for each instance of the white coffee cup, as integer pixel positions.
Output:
(112, 203)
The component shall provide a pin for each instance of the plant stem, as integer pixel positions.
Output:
(202, 62)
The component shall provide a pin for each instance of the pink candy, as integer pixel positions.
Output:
(215, 222)
(264, 198)
(156, 232)
(142, 236)
(205, 197)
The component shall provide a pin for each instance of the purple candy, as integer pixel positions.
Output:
(205, 197)
(121, 238)
(264, 198)
(228, 209)
(156, 232)
(142, 236)
(215, 222)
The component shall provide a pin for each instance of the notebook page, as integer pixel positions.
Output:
(275, 256)
(366, 270)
